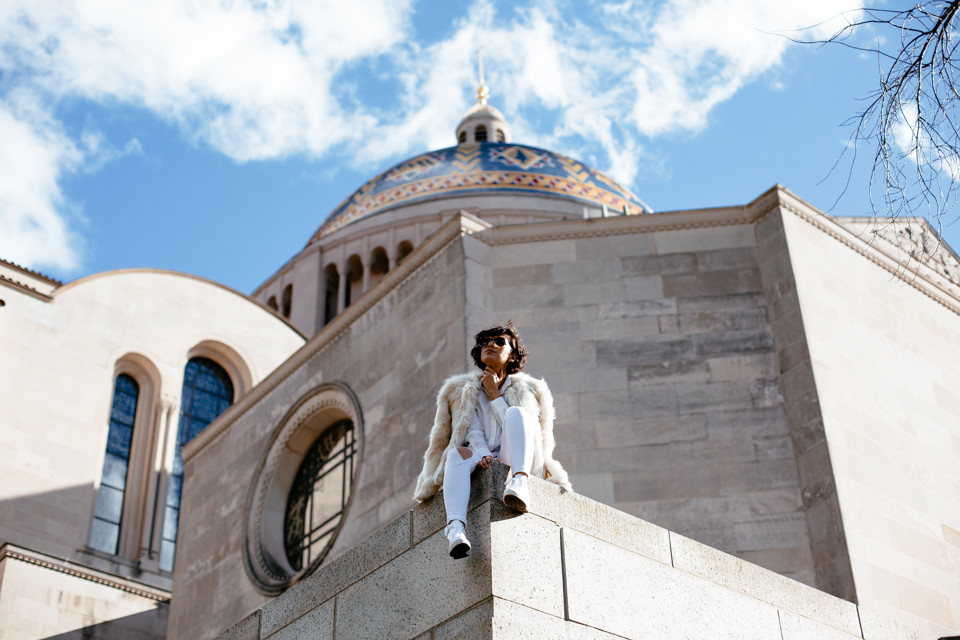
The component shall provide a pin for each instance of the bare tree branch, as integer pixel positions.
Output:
(911, 119)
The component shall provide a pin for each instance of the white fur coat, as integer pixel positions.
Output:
(456, 403)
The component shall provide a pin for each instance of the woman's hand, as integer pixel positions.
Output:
(484, 462)
(491, 383)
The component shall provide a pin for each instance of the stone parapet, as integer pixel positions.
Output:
(569, 568)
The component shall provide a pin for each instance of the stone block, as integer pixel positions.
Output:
(606, 291)
(618, 328)
(538, 274)
(316, 625)
(723, 343)
(714, 396)
(737, 367)
(773, 447)
(669, 372)
(876, 627)
(751, 580)
(772, 531)
(704, 239)
(725, 259)
(468, 624)
(636, 308)
(635, 244)
(405, 591)
(671, 263)
(574, 356)
(537, 336)
(651, 430)
(370, 554)
(591, 380)
(715, 302)
(596, 486)
(518, 538)
(748, 422)
(587, 271)
(629, 352)
(525, 296)
(722, 320)
(522, 255)
(596, 572)
(794, 627)
(611, 525)
(512, 621)
(621, 459)
(711, 283)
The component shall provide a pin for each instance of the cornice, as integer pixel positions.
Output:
(31, 272)
(921, 276)
(463, 223)
(12, 552)
(621, 225)
(24, 288)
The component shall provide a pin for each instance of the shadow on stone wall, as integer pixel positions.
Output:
(148, 625)
(43, 536)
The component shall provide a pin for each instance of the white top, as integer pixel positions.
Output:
(485, 434)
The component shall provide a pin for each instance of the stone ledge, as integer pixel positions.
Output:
(569, 568)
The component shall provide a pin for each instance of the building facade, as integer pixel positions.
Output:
(764, 379)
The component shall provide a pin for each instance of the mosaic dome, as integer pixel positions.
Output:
(486, 168)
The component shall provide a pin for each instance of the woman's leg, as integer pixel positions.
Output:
(519, 430)
(456, 483)
(519, 438)
(456, 496)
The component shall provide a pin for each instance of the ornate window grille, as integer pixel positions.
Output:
(319, 495)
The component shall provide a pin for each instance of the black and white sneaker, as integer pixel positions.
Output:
(459, 545)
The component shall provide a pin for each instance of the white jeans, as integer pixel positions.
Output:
(519, 431)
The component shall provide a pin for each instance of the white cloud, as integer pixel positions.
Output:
(33, 155)
(701, 52)
(262, 79)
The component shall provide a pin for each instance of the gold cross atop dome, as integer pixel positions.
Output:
(483, 91)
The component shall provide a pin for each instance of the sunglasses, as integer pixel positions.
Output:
(500, 341)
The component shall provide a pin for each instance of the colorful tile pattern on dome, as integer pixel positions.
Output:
(478, 168)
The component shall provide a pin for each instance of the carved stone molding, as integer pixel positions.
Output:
(10, 552)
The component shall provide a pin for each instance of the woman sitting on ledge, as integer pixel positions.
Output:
(499, 413)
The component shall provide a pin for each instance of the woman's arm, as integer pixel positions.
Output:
(476, 439)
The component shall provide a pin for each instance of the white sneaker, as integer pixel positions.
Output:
(459, 545)
(517, 493)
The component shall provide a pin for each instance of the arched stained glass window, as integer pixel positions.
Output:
(320, 492)
(108, 513)
(207, 392)
(480, 133)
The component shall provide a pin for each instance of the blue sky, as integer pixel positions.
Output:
(214, 137)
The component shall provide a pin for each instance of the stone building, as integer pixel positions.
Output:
(763, 379)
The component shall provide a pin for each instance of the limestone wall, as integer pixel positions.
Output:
(61, 355)
(570, 568)
(654, 336)
(393, 352)
(886, 360)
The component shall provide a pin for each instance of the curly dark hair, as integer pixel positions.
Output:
(518, 353)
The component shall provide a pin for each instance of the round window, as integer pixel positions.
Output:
(303, 487)
(321, 489)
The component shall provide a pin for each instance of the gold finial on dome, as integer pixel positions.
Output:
(483, 92)
(482, 122)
